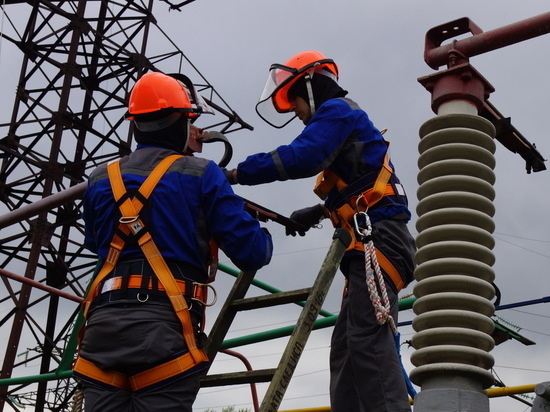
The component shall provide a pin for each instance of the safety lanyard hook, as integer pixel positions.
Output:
(363, 227)
(364, 204)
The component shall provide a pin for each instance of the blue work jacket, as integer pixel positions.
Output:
(192, 204)
(339, 137)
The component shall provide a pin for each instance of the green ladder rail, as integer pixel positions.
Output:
(314, 297)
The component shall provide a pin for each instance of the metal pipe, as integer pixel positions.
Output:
(40, 286)
(46, 203)
(326, 322)
(481, 42)
(244, 360)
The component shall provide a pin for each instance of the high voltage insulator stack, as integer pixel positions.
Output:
(454, 257)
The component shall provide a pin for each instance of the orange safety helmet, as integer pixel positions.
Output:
(159, 99)
(283, 76)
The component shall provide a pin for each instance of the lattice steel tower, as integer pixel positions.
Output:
(78, 62)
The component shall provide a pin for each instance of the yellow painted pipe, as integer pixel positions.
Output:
(491, 393)
(510, 390)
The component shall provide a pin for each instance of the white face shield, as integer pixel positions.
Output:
(274, 107)
(278, 77)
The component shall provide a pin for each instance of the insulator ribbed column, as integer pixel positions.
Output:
(455, 259)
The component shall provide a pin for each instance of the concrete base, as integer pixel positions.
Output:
(450, 400)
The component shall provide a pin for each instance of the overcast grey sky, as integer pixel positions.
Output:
(379, 49)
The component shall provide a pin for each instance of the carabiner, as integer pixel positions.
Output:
(363, 231)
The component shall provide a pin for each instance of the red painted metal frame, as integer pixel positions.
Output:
(461, 81)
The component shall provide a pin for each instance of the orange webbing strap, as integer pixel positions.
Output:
(112, 378)
(390, 270)
(194, 290)
(383, 261)
(130, 222)
(327, 180)
(162, 372)
(380, 186)
(117, 244)
(138, 381)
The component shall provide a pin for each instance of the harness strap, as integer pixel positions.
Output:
(89, 370)
(131, 223)
(380, 184)
(194, 290)
(117, 244)
(328, 180)
(349, 197)
(162, 372)
(167, 370)
(390, 269)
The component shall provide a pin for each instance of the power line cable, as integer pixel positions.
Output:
(522, 237)
(524, 248)
(530, 313)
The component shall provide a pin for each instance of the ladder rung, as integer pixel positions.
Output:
(274, 299)
(237, 378)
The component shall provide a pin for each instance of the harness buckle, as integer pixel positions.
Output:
(126, 220)
(132, 222)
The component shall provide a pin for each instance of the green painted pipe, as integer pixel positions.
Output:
(64, 371)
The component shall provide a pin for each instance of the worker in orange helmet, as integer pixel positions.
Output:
(362, 193)
(153, 218)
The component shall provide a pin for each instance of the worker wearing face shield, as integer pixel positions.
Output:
(361, 192)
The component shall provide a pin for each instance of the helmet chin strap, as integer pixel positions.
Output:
(310, 93)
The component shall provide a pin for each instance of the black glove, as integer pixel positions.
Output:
(308, 217)
(231, 175)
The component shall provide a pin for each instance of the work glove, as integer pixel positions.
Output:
(307, 217)
(231, 175)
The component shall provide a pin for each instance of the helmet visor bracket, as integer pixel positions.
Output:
(198, 103)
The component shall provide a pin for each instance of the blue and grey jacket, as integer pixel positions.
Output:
(340, 137)
(192, 204)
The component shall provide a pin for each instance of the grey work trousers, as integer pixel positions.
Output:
(365, 369)
(131, 338)
(176, 396)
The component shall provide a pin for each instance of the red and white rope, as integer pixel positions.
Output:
(375, 279)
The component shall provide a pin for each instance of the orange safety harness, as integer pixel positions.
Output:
(131, 224)
(344, 215)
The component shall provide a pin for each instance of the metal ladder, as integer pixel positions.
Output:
(313, 296)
